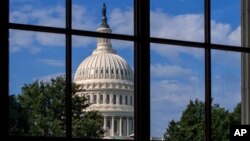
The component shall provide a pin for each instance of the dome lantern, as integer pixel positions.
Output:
(104, 44)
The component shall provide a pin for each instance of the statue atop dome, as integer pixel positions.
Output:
(104, 10)
(104, 23)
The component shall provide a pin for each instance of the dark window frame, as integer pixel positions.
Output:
(141, 39)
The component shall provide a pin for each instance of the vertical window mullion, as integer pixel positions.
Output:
(4, 75)
(142, 70)
(68, 69)
(208, 99)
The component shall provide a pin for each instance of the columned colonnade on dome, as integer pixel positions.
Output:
(118, 125)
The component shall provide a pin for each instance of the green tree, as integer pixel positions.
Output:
(235, 115)
(191, 124)
(17, 114)
(44, 103)
(189, 128)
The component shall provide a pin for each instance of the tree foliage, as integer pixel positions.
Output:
(190, 127)
(40, 110)
(17, 114)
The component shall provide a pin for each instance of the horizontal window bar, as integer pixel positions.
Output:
(200, 45)
(72, 31)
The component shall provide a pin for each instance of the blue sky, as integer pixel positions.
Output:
(177, 73)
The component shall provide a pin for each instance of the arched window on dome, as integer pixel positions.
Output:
(107, 99)
(94, 99)
(120, 100)
(101, 99)
(126, 100)
(88, 98)
(92, 72)
(114, 99)
(112, 72)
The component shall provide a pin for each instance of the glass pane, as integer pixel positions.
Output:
(225, 24)
(90, 14)
(177, 19)
(37, 84)
(38, 12)
(177, 93)
(103, 73)
(226, 92)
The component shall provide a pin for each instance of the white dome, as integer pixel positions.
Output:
(104, 65)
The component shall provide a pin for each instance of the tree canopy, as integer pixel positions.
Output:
(190, 127)
(40, 110)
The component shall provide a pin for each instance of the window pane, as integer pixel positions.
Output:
(225, 24)
(177, 93)
(38, 12)
(110, 119)
(88, 15)
(177, 19)
(226, 92)
(37, 84)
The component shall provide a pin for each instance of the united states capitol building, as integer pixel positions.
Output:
(107, 81)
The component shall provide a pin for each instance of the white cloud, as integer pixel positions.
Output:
(122, 21)
(171, 71)
(175, 91)
(84, 19)
(52, 62)
(33, 42)
(183, 27)
(235, 37)
(83, 41)
(47, 78)
(51, 40)
(224, 34)
(47, 16)
(20, 41)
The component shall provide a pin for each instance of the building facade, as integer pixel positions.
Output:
(106, 79)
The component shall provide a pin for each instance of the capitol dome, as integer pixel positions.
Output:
(104, 64)
(106, 80)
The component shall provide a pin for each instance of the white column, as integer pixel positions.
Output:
(127, 126)
(132, 100)
(245, 62)
(112, 126)
(120, 127)
(104, 99)
(105, 123)
(110, 98)
(97, 98)
(91, 98)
